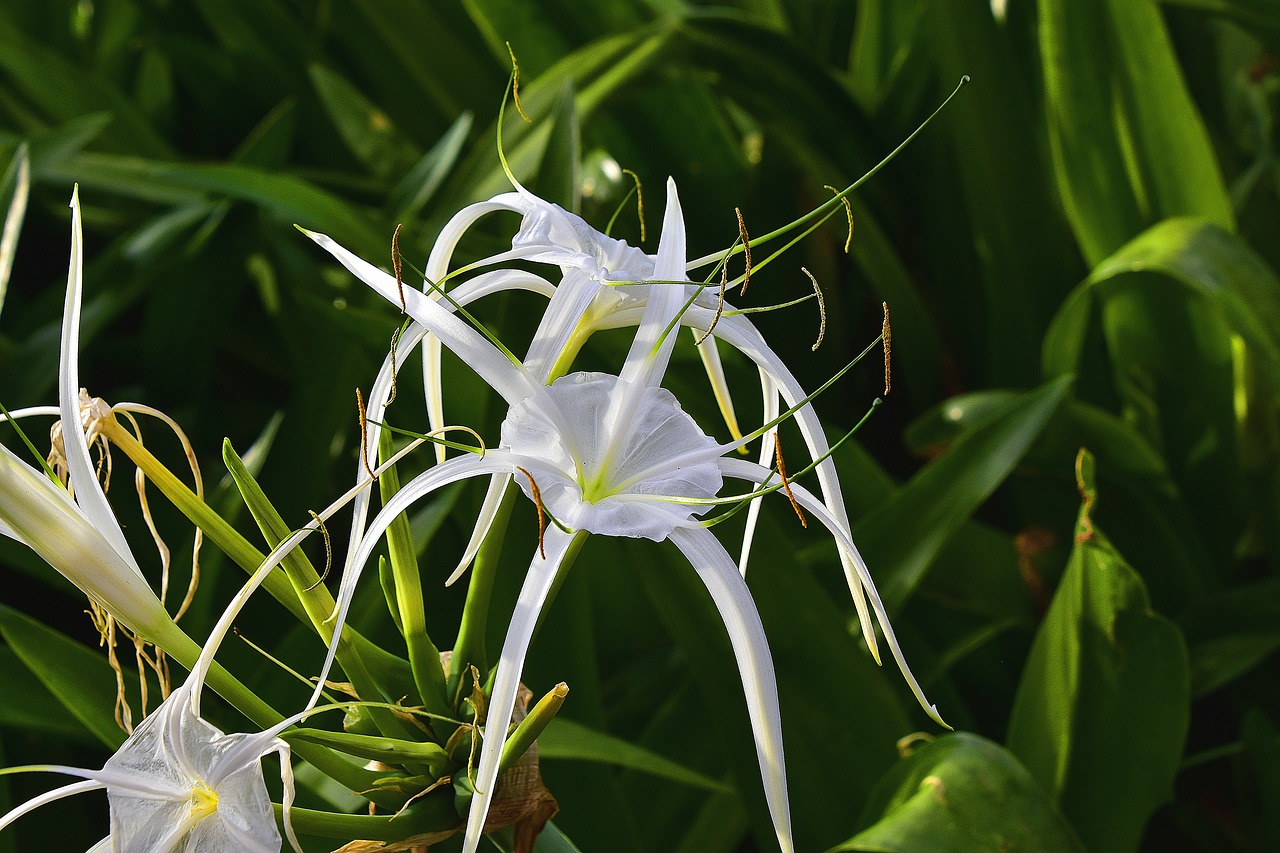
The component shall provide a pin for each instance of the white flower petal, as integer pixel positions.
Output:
(508, 379)
(755, 665)
(647, 360)
(488, 511)
(449, 471)
(89, 494)
(50, 796)
(743, 470)
(502, 700)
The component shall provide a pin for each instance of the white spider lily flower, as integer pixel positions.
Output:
(617, 456)
(180, 784)
(79, 537)
(601, 288)
(177, 782)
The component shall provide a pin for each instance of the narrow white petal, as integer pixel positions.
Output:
(647, 360)
(441, 475)
(755, 665)
(488, 511)
(49, 797)
(710, 355)
(447, 241)
(743, 470)
(103, 846)
(769, 411)
(464, 294)
(84, 479)
(537, 583)
(560, 321)
(508, 379)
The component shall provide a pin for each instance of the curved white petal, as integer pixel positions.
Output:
(49, 797)
(447, 241)
(744, 470)
(560, 322)
(449, 471)
(770, 411)
(650, 351)
(740, 333)
(508, 379)
(502, 700)
(755, 665)
(488, 511)
(89, 494)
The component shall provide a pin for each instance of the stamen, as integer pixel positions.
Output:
(542, 517)
(848, 215)
(515, 84)
(786, 485)
(724, 281)
(395, 342)
(639, 201)
(364, 436)
(822, 310)
(746, 251)
(886, 334)
(397, 265)
(328, 547)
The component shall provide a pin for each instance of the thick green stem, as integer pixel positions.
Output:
(424, 656)
(470, 647)
(314, 595)
(226, 537)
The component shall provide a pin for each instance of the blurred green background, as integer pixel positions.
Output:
(1079, 253)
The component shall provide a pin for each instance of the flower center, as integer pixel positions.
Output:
(204, 801)
(605, 455)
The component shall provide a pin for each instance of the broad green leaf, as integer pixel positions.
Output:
(420, 183)
(1128, 145)
(79, 677)
(368, 131)
(65, 91)
(291, 199)
(16, 185)
(560, 175)
(901, 537)
(28, 703)
(1103, 707)
(1024, 260)
(1153, 333)
(962, 794)
(567, 740)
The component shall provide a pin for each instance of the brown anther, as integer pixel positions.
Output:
(822, 310)
(542, 515)
(328, 548)
(397, 264)
(886, 335)
(395, 342)
(364, 436)
(786, 484)
(724, 282)
(639, 201)
(746, 251)
(848, 215)
(515, 84)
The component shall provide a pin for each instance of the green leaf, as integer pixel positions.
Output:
(419, 185)
(368, 131)
(77, 676)
(1128, 146)
(901, 537)
(567, 740)
(962, 794)
(1153, 332)
(1102, 710)
(560, 175)
(29, 704)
